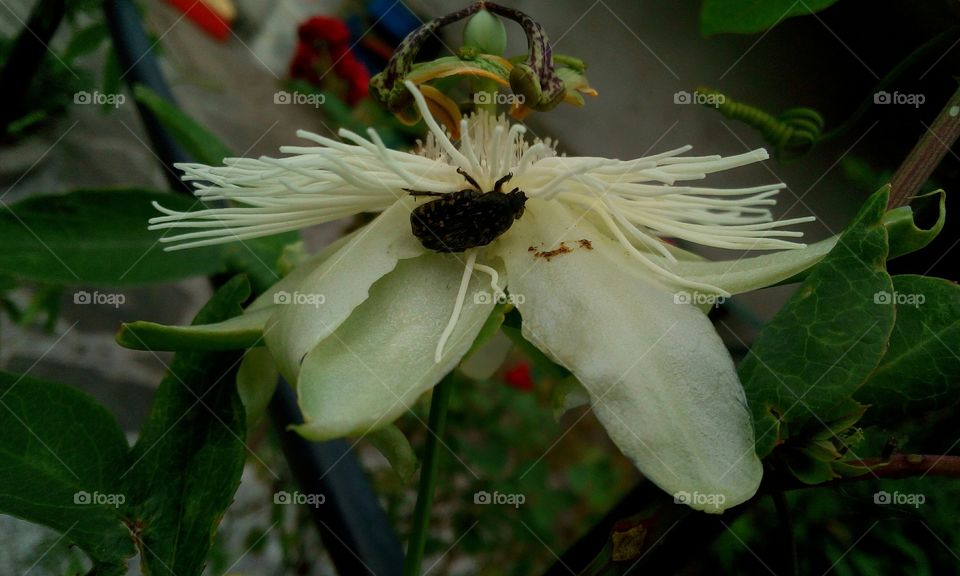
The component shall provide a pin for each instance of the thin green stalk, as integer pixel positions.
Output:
(428, 475)
(927, 154)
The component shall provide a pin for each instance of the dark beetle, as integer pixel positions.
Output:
(456, 221)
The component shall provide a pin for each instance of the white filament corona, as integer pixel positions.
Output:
(639, 201)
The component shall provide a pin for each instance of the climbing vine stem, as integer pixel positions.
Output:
(936, 141)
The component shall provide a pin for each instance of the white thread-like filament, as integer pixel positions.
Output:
(457, 306)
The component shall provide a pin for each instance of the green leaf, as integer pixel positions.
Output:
(61, 459)
(823, 344)
(86, 40)
(921, 369)
(905, 234)
(750, 16)
(186, 465)
(195, 139)
(96, 237)
(809, 470)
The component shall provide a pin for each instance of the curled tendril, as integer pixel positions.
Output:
(791, 134)
(535, 78)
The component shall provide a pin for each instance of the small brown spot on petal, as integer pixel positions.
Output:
(584, 243)
(547, 255)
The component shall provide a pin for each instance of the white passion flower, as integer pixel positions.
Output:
(371, 323)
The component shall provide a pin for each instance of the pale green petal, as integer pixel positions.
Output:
(238, 332)
(484, 362)
(746, 274)
(395, 447)
(303, 270)
(735, 275)
(315, 304)
(256, 382)
(381, 359)
(241, 331)
(660, 379)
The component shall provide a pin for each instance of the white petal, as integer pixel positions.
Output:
(291, 282)
(746, 274)
(381, 359)
(660, 379)
(327, 296)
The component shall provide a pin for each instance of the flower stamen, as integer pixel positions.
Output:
(457, 306)
(498, 291)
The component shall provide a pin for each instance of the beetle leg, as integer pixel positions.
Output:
(502, 181)
(470, 179)
(420, 193)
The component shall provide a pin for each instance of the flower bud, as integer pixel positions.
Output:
(486, 33)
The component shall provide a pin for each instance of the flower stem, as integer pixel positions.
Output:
(927, 154)
(790, 557)
(428, 475)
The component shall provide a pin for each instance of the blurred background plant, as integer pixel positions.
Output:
(804, 78)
